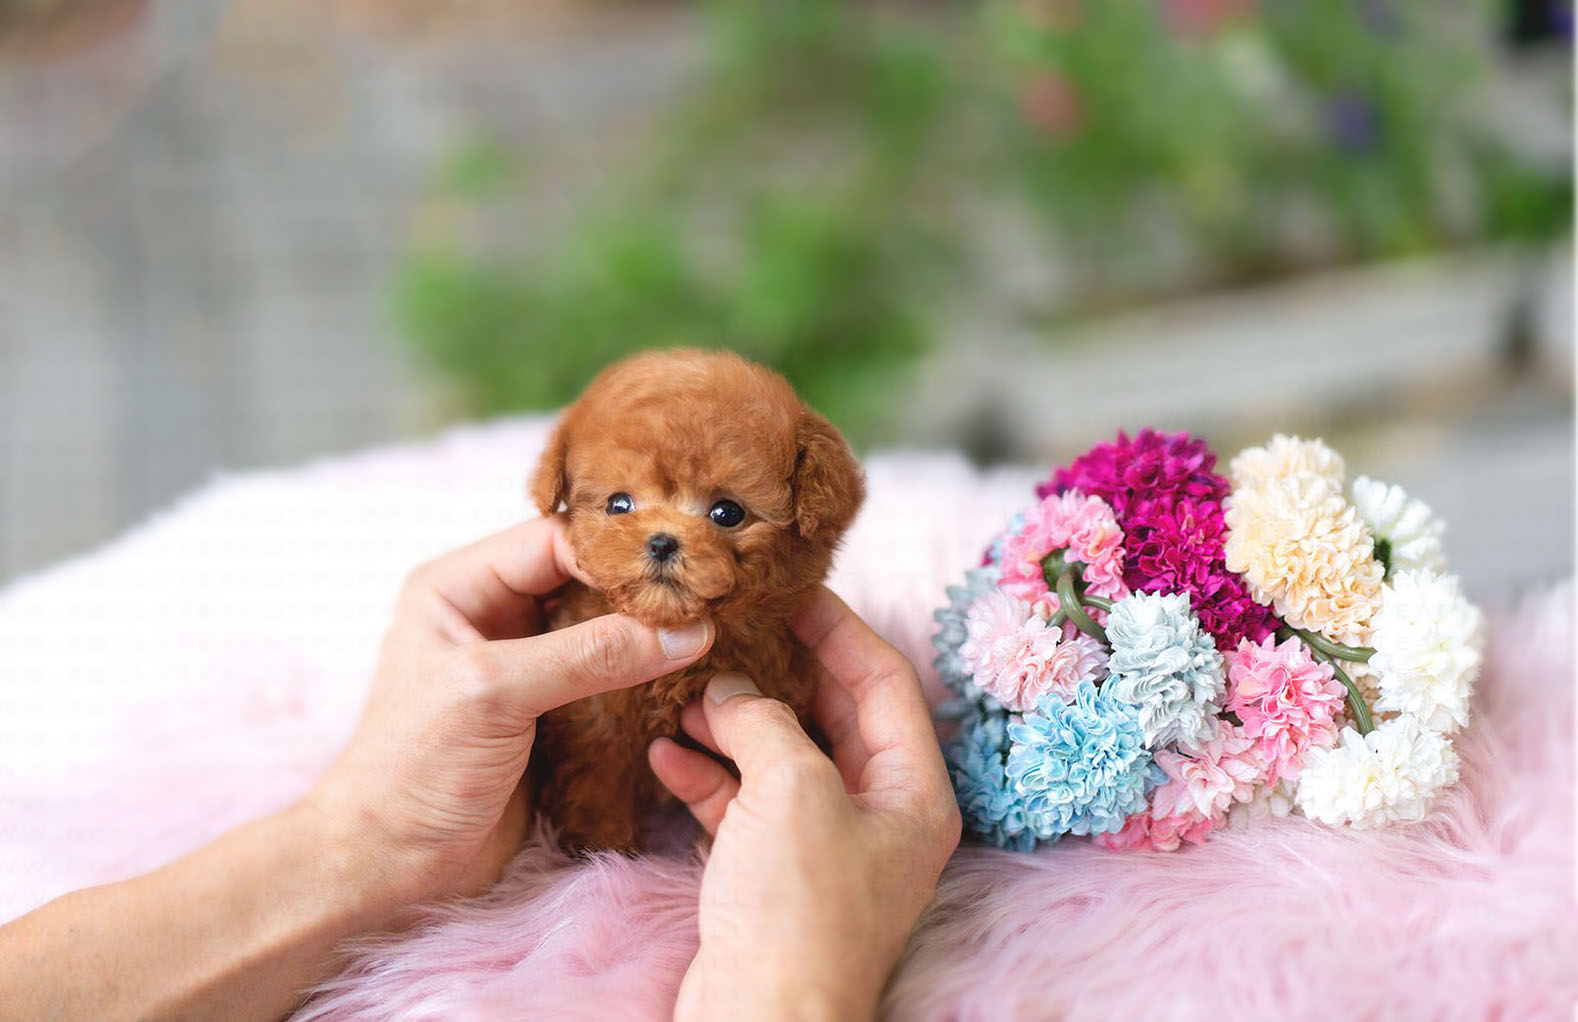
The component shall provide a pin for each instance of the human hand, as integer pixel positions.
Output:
(820, 868)
(430, 788)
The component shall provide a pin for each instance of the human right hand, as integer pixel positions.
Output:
(820, 868)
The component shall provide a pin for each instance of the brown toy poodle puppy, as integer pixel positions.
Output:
(693, 484)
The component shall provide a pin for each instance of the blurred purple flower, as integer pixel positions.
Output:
(1561, 15)
(1352, 121)
(1380, 17)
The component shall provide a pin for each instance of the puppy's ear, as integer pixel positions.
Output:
(828, 484)
(549, 484)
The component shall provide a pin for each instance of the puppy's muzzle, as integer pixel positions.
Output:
(661, 546)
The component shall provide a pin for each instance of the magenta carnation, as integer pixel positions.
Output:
(1167, 499)
(1177, 547)
(1286, 700)
(1131, 475)
(1084, 528)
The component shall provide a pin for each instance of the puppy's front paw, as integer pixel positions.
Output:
(590, 817)
(604, 835)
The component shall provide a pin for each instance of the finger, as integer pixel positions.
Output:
(693, 721)
(534, 675)
(489, 589)
(835, 712)
(873, 682)
(695, 779)
(756, 732)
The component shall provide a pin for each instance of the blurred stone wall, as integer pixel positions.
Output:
(201, 206)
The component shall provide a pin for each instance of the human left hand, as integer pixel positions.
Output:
(430, 787)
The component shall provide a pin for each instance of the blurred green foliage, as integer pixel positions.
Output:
(812, 203)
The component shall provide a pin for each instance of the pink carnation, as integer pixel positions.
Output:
(1013, 654)
(1204, 782)
(1142, 830)
(1286, 701)
(1082, 526)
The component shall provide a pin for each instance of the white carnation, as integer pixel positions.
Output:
(1427, 639)
(1387, 776)
(1268, 802)
(1407, 526)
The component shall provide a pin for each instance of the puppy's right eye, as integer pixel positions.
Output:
(621, 504)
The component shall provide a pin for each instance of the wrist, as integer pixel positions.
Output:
(775, 987)
(359, 880)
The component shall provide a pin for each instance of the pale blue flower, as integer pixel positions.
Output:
(1165, 666)
(1080, 767)
(989, 805)
(951, 633)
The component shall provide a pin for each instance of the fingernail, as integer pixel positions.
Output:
(724, 687)
(683, 643)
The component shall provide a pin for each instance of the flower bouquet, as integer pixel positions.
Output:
(1152, 649)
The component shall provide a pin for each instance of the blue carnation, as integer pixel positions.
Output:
(988, 803)
(951, 668)
(1165, 666)
(1080, 767)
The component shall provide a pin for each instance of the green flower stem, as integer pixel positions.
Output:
(1069, 602)
(1356, 707)
(1328, 652)
(1099, 602)
(1053, 565)
(1334, 650)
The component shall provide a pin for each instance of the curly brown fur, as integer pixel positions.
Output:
(678, 431)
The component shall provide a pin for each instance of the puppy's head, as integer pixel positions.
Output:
(697, 483)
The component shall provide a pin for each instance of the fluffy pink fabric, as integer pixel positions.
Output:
(203, 669)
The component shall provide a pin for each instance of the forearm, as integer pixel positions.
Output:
(237, 930)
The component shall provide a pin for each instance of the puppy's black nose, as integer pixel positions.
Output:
(661, 546)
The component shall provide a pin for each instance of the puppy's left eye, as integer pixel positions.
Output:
(620, 504)
(727, 514)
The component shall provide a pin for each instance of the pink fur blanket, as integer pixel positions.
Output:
(202, 669)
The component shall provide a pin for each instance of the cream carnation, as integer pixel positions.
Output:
(1427, 640)
(1304, 550)
(1387, 776)
(1404, 528)
(1013, 654)
(1285, 457)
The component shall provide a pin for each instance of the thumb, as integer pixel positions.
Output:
(544, 672)
(753, 730)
